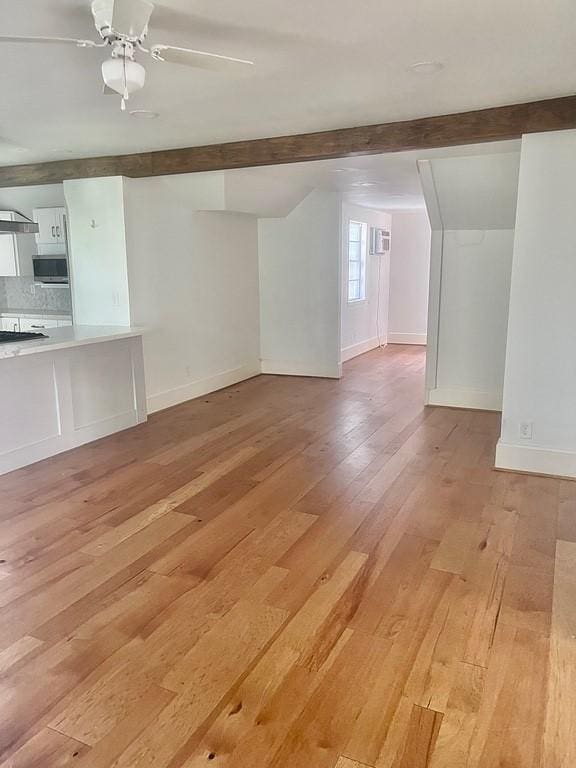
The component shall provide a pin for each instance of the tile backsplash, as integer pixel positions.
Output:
(24, 293)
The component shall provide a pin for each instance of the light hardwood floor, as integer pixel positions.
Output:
(290, 573)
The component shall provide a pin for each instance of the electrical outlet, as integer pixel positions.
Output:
(526, 428)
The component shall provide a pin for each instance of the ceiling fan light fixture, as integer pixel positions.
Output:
(123, 26)
(123, 75)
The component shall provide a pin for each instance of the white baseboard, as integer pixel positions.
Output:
(465, 398)
(536, 460)
(359, 349)
(98, 429)
(33, 452)
(283, 368)
(407, 338)
(201, 387)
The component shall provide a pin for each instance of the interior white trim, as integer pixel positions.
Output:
(359, 349)
(537, 460)
(436, 258)
(200, 387)
(465, 398)
(283, 368)
(406, 338)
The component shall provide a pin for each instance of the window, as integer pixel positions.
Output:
(356, 261)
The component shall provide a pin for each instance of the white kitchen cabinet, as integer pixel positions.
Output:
(36, 324)
(15, 323)
(10, 323)
(52, 227)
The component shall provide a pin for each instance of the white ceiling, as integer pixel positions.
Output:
(320, 65)
(392, 179)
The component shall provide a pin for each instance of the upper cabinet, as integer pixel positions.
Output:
(52, 226)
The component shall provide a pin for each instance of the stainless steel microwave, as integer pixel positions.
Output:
(51, 269)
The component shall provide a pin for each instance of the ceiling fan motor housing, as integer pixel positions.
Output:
(122, 19)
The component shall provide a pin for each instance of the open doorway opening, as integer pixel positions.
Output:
(335, 279)
(385, 276)
(443, 282)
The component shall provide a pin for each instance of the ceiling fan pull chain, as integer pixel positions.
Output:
(126, 95)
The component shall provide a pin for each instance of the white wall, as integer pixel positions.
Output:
(409, 277)
(476, 269)
(365, 323)
(98, 267)
(300, 288)
(478, 190)
(471, 257)
(540, 378)
(193, 280)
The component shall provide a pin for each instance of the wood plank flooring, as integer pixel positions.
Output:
(290, 573)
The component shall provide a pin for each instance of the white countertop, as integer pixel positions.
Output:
(33, 314)
(69, 336)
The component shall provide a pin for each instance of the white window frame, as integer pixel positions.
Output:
(361, 279)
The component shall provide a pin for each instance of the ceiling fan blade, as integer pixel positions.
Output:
(56, 40)
(131, 17)
(191, 58)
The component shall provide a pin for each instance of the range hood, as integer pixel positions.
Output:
(13, 223)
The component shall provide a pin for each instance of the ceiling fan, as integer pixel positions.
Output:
(123, 26)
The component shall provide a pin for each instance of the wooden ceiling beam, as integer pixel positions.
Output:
(494, 124)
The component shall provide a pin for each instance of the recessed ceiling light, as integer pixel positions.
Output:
(364, 184)
(144, 114)
(426, 67)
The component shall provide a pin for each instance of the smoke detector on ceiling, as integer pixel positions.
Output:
(426, 67)
(144, 114)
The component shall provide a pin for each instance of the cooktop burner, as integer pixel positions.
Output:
(10, 336)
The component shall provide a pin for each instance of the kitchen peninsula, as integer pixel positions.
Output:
(77, 384)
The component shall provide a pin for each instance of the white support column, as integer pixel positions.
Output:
(539, 412)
